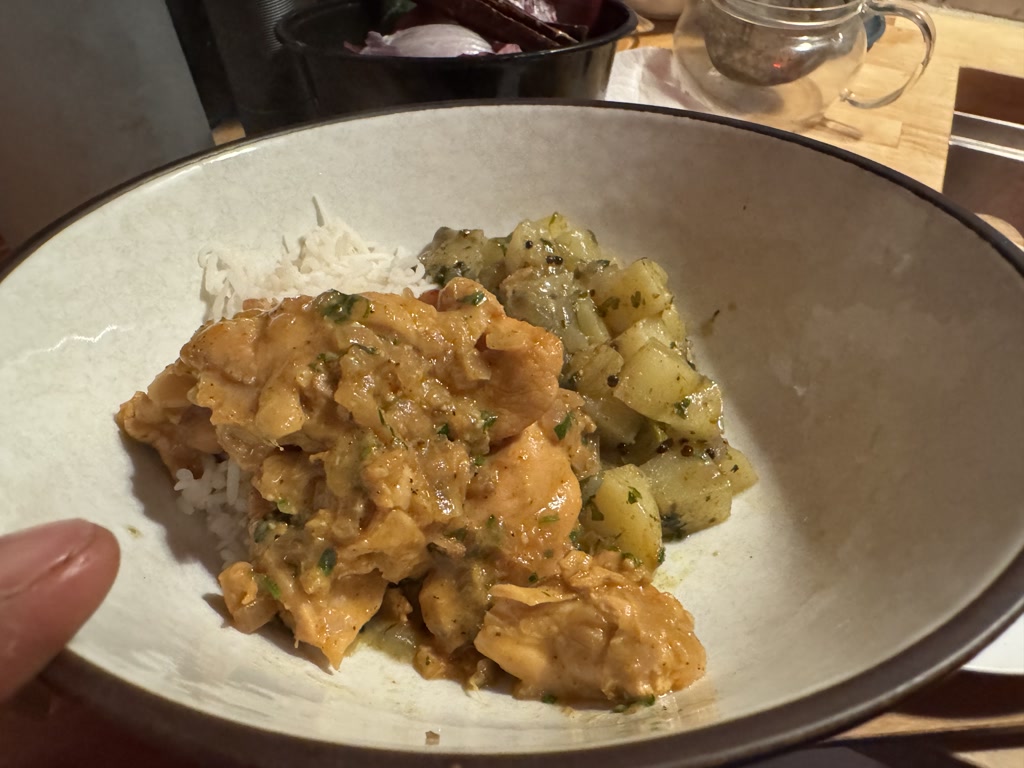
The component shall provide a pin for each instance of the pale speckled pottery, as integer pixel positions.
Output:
(873, 373)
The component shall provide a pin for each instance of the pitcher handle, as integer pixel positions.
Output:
(927, 29)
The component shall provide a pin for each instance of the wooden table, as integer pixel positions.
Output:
(966, 720)
(910, 135)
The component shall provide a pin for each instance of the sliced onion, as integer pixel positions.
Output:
(430, 41)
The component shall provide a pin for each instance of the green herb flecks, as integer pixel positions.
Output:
(562, 427)
(636, 299)
(445, 430)
(672, 527)
(259, 533)
(533, 578)
(682, 405)
(661, 555)
(322, 361)
(546, 519)
(475, 299)
(633, 495)
(549, 698)
(268, 585)
(364, 348)
(644, 701)
(607, 306)
(284, 507)
(341, 307)
(391, 430)
(735, 468)
(488, 419)
(327, 561)
(478, 461)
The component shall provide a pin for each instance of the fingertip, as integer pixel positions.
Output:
(52, 578)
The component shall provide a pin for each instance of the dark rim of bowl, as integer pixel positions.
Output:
(288, 40)
(820, 714)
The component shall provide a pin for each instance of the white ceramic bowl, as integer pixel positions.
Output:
(870, 345)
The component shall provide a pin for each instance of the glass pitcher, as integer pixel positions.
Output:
(784, 62)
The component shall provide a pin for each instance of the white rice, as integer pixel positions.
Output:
(332, 255)
(217, 494)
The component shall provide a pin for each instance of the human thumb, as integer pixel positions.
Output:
(52, 578)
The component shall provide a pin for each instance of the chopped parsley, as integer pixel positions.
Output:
(632, 558)
(633, 496)
(682, 405)
(366, 349)
(268, 585)
(635, 299)
(661, 555)
(533, 578)
(607, 305)
(341, 307)
(644, 701)
(562, 427)
(548, 698)
(544, 519)
(445, 430)
(259, 533)
(672, 527)
(327, 561)
(476, 299)
(479, 460)
(488, 419)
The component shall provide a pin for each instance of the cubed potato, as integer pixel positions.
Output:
(624, 515)
(625, 296)
(616, 423)
(674, 323)
(738, 469)
(645, 445)
(526, 247)
(589, 370)
(659, 383)
(692, 493)
(633, 339)
(589, 322)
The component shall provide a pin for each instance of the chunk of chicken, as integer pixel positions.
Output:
(592, 634)
(527, 493)
(359, 418)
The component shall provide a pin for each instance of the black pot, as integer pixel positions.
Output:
(343, 82)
